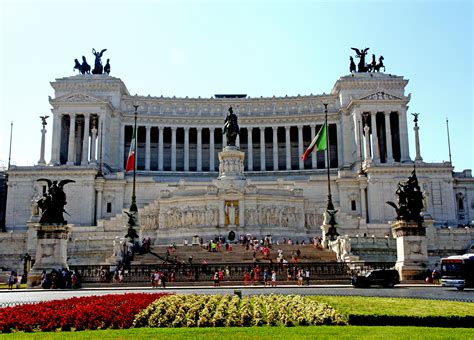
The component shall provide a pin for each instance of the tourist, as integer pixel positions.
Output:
(120, 276)
(216, 279)
(227, 273)
(75, 280)
(18, 280)
(11, 280)
(163, 280)
(246, 278)
(306, 276)
(274, 278)
(221, 275)
(300, 277)
(265, 277)
(230, 247)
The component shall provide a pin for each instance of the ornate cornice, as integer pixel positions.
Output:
(90, 83)
(217, 122)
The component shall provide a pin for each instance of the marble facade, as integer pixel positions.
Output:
(180, 191)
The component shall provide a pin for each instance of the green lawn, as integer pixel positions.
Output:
(396, 306)
(395, 311)
(310, 332)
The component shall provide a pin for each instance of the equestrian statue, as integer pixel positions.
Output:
(231, 127)
(52, 203)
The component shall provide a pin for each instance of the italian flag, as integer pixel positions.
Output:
(131, 154)
(318, 143)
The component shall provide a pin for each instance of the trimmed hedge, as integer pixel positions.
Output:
(220, 311)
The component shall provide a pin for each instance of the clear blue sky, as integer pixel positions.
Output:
(261, 48)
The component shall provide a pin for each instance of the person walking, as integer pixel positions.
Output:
(274, 279)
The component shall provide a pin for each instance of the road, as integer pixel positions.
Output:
(13, 297)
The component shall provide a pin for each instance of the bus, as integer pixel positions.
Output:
(458, 271)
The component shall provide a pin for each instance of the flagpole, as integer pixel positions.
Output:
(133, 205)
(329, 206)
(10, 150)
(449, 143)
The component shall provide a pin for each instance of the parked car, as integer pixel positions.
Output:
(377, 277)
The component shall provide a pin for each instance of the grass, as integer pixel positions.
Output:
(310, 332)
(396, 306)
(395, 311)
(5, 286)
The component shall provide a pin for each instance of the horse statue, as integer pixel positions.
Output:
(98, 68)
(231, 127)
(83, 68)
(380, 65)
(352, 66)
(107, 67)
(362, 67)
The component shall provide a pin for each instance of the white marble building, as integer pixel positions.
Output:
(178, 144)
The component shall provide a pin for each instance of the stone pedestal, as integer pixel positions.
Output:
(231, 164)
(324, 230)
(412, 252)
(51, 250)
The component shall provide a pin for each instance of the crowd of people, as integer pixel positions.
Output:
(57, 279)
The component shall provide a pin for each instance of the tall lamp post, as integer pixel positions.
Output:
(133, 205)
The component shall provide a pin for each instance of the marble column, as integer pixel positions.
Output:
(147, 146)
(122, 146)
(363, 205)
(249, 149)
(78, 142)
(199, 149)
(375, 138)
(85, 141)
(262, 149)
(341, 148)
(300, 146)
(56, 140)
(98, 209)
(403, 133)
(288, 147)
(173, 148)
(367, 143)
(160, 148)
(275, 148)
(417, 143)
(313, 154)
(186, 149)
(388, 133)
(211, 149)
(43, 138)
(72, 138)
(93, 141)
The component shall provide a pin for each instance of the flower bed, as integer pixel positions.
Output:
(92, 312)
(218, 311)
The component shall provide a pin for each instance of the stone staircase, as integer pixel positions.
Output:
(239, 254)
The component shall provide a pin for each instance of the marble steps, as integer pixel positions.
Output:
(238, 255)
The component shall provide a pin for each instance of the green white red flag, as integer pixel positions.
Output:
(318, 143)
(131, 154)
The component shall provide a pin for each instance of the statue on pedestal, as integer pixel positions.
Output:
(410, 200)
(231, 127)
(52, 203)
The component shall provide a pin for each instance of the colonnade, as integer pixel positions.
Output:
(75, 139)
(270, 148)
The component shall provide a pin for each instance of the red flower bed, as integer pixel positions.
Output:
(91, 312)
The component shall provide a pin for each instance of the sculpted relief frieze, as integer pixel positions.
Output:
(188, 216)
(273, 216)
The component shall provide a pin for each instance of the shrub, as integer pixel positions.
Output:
(218, 311)
(92, 312)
